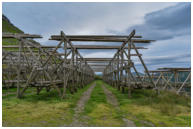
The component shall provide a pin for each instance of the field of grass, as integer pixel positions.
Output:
(165, 109)
(46, 109)
(144, 108)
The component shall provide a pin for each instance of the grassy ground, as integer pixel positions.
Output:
(46, 109)
(99, 112)
(145, 108)
(166, 109)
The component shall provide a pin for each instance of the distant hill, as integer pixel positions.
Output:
(7, 26)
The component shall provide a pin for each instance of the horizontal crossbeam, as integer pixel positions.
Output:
(76, 46)
(12, 35)
(106, 40)
(97, 36)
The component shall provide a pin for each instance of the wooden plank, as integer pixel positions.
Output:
(98, 59)
(96, 36)
(103, 40)
(19, 70)
(75, 46)
(13, 35)
(157, 71)
(175, 69)
(95, 65)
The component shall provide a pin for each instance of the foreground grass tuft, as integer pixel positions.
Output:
(165, 109)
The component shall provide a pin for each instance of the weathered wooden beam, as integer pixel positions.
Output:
(75, 46)
(157, 71)
(103, 59)
(98, 59)
(95, 65)
(175, 69)
(60, 54)
(103, 39)
(101, 47)
(99, 68)
(13, 35)
(97, 36)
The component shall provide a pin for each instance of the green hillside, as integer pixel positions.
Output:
(7, 26)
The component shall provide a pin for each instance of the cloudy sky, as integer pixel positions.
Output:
(167, 23)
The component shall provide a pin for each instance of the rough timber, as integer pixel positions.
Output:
(32, 65)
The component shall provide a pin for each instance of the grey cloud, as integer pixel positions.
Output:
(175, 17)
(166, 23)
(170, 61)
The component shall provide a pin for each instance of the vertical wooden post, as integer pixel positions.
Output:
(118, 71)
(121, 76)
(129, 70)
(77, 72)
(19, 69)
(175, 78)
(48, 89)
(73, 72)
(64, 66)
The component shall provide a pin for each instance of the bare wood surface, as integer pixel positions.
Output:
(76, 46)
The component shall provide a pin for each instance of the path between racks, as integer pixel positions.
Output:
(80, 107)
(111, 99)
(80, 121)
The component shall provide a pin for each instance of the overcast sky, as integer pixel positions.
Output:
(167, 23)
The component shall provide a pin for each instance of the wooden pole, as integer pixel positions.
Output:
(19, 69)
(64, 65)
(146, 70)
(129, 70)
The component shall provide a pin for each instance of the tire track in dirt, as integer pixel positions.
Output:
(80, 107)
(111, 99)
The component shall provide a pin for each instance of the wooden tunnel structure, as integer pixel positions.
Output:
(45, 68)
(62, 67)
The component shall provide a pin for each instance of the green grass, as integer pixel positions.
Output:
(165, 109)
(101, 113)
(11, 92)
(7, 27)
(145, 108)
(46, 109)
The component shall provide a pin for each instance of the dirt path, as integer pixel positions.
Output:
(111, 99)
(80, 107)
